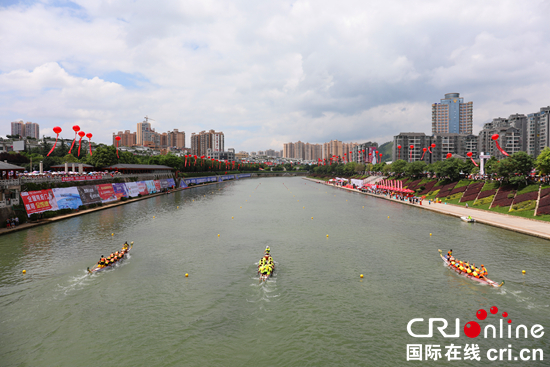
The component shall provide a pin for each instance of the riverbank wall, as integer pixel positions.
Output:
(528, 226)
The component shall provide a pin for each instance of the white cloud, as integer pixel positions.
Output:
(267, 73)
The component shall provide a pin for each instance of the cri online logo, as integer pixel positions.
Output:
(472, 329)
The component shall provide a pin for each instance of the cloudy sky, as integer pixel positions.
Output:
(268, 72)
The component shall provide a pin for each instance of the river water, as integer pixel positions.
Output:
(314, 311)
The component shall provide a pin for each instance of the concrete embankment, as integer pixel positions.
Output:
(527, 226)
(41, 222)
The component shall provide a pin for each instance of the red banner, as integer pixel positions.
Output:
(39, 201)
(106, 192)
(81, 178)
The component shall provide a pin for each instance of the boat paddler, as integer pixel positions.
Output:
(449, 254)
(125, 246)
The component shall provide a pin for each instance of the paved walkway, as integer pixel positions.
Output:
(527, 226)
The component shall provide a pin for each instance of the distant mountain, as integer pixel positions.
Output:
(386, 150)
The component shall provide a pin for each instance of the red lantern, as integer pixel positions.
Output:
(399, 152)
(411, 147)
(117, 138)
(431, 146)
(89, 136)
(495, 138)
(56, 130)
(76, 129)
(424, 150)
(449, 155)
(469, 154)
(81, 134)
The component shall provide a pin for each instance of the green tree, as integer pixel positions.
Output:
(104, 156)
(69, 158)
(416, 168)
(543, 161)
(516, 168)
(398, 167)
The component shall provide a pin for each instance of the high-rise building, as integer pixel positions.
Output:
(288, 150)
(32, 130)
(127, 139)
(146, 135)
(18, 128)
(452, 115)
(512, 134)
(201, 142)
(28, 129)
(538, 131)
(176, 139)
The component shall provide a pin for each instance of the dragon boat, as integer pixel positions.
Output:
(96, 268)
(482, 280)
(265, 277)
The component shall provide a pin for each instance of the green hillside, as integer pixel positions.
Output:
(386, 150)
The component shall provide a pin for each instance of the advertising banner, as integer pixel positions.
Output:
(227, 177)
(151, 187)
(81, 178)
(132, 189)
(67, 197)
(106, 192)
(183, 185)
(157, 185)
(120, 190)
(243, 175)
(164, 183)
(39, 201)
(199, 180)
(171, 183)
(142, 187)
(89, 194)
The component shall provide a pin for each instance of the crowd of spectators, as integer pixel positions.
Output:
(12, 222)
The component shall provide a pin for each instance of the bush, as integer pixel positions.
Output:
(484, 201)
(124, 198)
(139, 195)
(524, 205)
(34, 216)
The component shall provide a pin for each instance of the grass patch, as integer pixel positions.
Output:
(432, 194)
(442, 183)
(470, 203)
(545, 217)
(501, 209)
(530, 214)
(528, 188)
(524, 205)
(490, 186)
(481, 203)
(454, 199)
(462, 183)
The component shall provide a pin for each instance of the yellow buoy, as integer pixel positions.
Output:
(186, 275)
(311, 218)
(303, 207)
(430, 234)
(388, 217)
(153, 216)
(218, 235)
(298, 199)
(231, 217)
(241, 207)
(112, 234)
(24, 271)
(178, 207)
(523, 271)
(327, 235)
(363, 207)
(361, 275)
(246, 200)
(346, 199)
